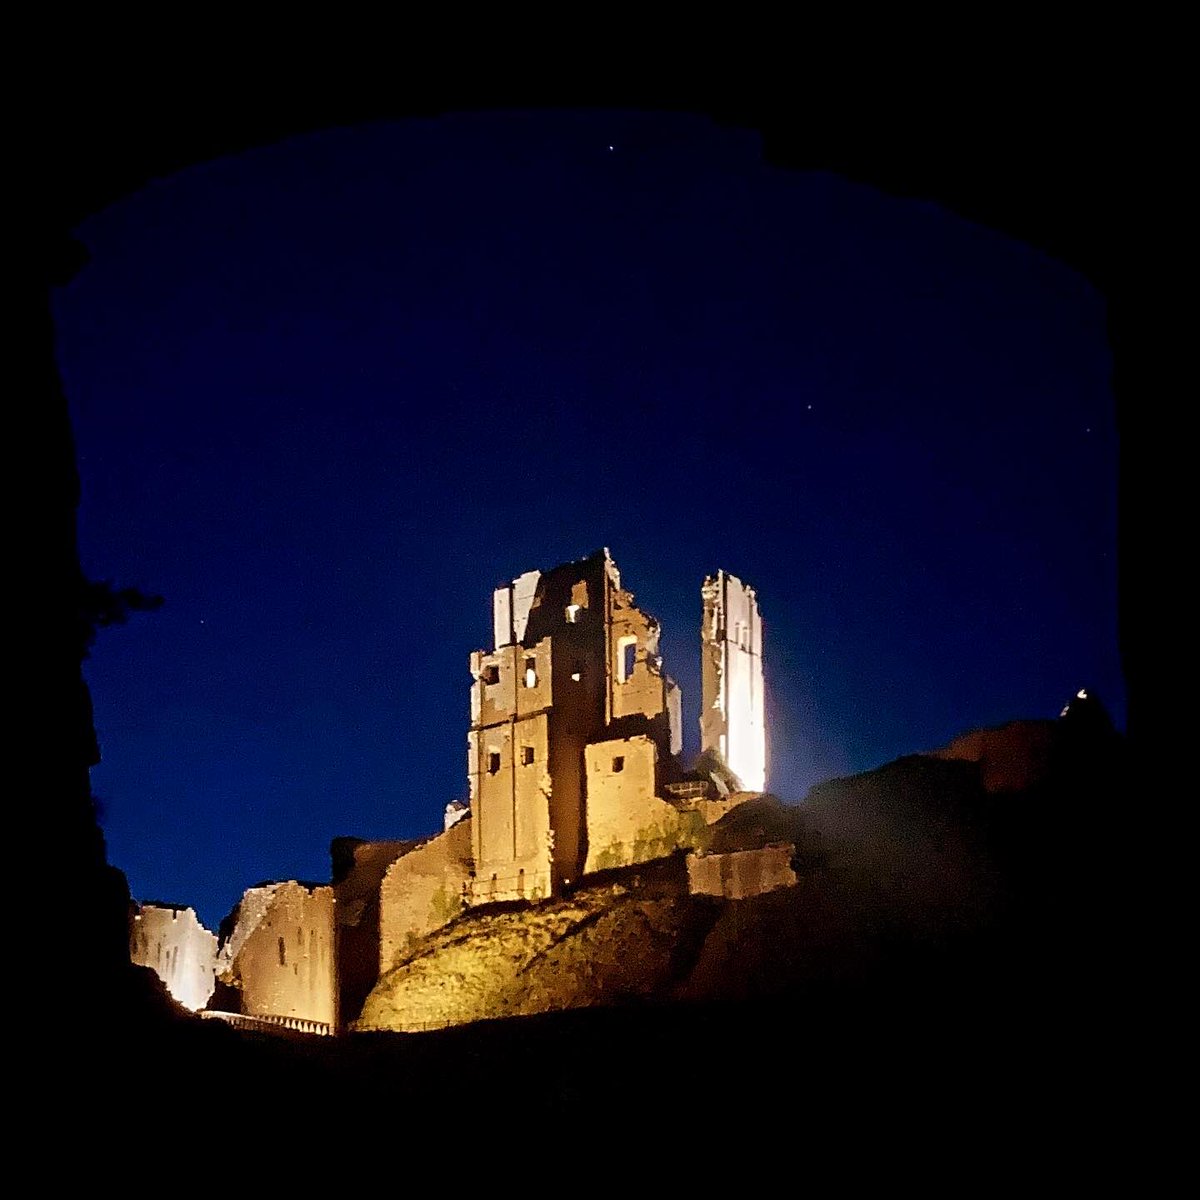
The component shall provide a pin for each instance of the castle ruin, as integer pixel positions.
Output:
(573, 766)
(170, 939)
(732, 723)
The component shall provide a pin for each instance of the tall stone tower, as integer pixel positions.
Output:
(574, 662)
(732, 721)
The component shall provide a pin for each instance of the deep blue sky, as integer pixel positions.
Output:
(329, 393)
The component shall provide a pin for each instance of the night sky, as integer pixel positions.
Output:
(328, 394)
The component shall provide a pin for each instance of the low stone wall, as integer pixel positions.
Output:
(712, 810)
(423, 890)
(742, 873)
(287, 1025)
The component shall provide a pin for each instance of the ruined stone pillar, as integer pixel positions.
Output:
(732, 720)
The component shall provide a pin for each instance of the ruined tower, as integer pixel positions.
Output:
(170, 940)
(732, 721)
(574, 662)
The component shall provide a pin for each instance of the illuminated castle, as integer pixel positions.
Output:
(573, 766)
(571, 696)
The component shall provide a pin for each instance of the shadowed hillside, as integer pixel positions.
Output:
(915, 872)
(930, 951)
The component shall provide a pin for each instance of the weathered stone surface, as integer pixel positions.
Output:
(171, 941)
(422, 891)
(626, 822)
(280, 953)
(575, 662)
(742, 873)
(732, 718)
(638, 687)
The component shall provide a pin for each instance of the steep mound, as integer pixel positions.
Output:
(897, 871)
(625, 939)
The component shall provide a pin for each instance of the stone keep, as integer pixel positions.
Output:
(575, 661)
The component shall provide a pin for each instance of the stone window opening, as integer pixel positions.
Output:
(627, 658)
(491, 674)
(493, 762)
(577, 672)
(521, 882)
(282, 953)
(526, 756)
(573, 611)
(531, 672)
(618, 764)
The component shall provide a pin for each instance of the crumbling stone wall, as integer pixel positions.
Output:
(536, 698)
(358, 870)
(280, 955)
(512, 783)
(576, 664)
(173, 943)
(510, 682)
(713, 808)
(639, 688)
(626, 822)
(423, 890)
(741, 873)
(732, 719)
